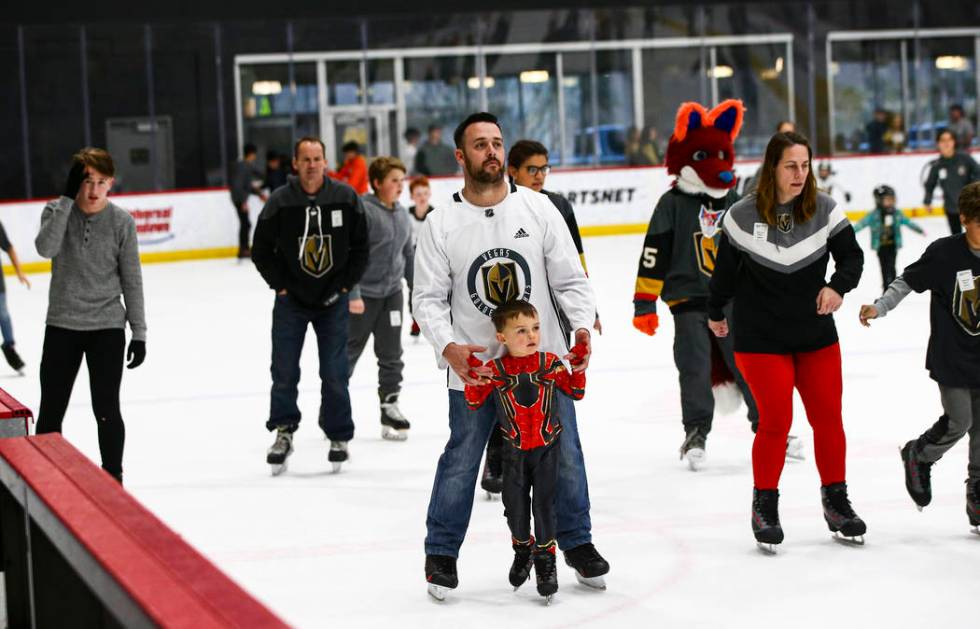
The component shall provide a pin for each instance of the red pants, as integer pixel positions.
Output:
(817, 376)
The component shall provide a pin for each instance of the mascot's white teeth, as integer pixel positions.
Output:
(690, 182)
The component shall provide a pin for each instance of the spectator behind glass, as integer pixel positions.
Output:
(875, 131)
(649, 147)
(434, 157)
(411, 147)
(354, 171)
(961, 127)
(894, 137)
(275, 172)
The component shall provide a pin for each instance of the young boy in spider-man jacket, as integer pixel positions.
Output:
(524, 384)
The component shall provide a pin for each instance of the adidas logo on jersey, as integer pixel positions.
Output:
(521, 234)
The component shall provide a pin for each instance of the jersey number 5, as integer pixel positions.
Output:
(649, 257)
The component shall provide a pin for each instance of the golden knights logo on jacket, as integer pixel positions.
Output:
(500, 282)
(966, 307)
(706, 240)
(315, 247)
(497, 276)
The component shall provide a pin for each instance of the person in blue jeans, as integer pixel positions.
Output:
(6, 327)
(498, 242)
(311, 247)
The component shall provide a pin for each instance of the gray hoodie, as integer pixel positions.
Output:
(391, 254)
(94, 260)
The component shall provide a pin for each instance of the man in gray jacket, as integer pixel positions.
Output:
(94, 259)
(377, 301)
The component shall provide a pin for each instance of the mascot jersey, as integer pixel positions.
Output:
(471, 259)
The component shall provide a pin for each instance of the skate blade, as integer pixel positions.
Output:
(918, 508)
(278, 468)
(695, 459)
(975, 530)
(390, 434)
(548, 599)
(438, 592)
(857, 540)
(596, 583)
(767, 549)
(492, 497)
(336, 465)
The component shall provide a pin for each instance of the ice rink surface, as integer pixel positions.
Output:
(345, 550)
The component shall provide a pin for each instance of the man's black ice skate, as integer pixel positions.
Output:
(338, 454)
(765, 519)
(917, 476)
(440, 573)
(590, 568)
(545, 571)
(841, 519)
(520, 570)
(973, 505)
(13, 358)
(279, 452)
(492, 479)
(394, 426)
(692, 450)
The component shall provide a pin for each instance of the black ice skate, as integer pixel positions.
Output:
(13, 358)
(917, 476)
(520, 570)
(973, 505)
(338, 454)
(545, 572)
(394, 426)
(765, 520)
(692, 450)
(492, 479)
(280, 450)
(590, 568)
(440, 573)
(841, 519)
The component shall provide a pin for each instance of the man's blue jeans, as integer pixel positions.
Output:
(455, 483)
(289, 323)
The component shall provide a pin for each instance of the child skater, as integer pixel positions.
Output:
(886, 231)
(524, 382)
(950, 269)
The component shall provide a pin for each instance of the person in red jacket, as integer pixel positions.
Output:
(354, 171)
(524, 383)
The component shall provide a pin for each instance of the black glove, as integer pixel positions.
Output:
(75, 178)
(136, 354)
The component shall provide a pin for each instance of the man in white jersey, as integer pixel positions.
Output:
(494, 243)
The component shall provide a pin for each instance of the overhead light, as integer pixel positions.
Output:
(834, 67)
(570, 81)
(779, 64)
(266, 88)
(721, 72)
(534, 76)
(474, 82)
(951, 62)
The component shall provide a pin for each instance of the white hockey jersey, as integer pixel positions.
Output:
(471, 259)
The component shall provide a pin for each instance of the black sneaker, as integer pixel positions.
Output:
(545, 571)
(973, 504)
(765, 518)
(520, 570)
(838, 513)
(440, 574)
(917, 476)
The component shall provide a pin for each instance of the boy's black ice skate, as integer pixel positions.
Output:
(546, 572)
(590, 568)
(973, 505)
(338, 454)
(765, 519)
(692, 450)
(492, 479)
(440, 573)
(917, 476)
(840, 517)
(13, 358)
(279, 452)
(520, 570)
(394, 426)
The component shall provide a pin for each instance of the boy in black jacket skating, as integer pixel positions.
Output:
(950, 270)
(311, 247)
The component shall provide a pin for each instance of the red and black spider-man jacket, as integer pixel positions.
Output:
(525, 389)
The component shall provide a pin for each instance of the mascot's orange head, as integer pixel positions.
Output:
(701, 151)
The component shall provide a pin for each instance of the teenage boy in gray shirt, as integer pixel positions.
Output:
(94, 260)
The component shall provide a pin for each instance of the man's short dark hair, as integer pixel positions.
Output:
(272, 155)
(956, 107)
(249, 149)
(412, 133)
(311, 139)
(969, 202)
(481, 116)
(350, 146)
(433, 127)
(510, 311)
(523, 150)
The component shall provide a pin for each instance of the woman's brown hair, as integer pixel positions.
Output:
(805, 205)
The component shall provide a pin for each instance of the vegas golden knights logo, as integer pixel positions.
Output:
(500, 283)
(784, 222)
(707, 251)
(966, 307)
(317, 258)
